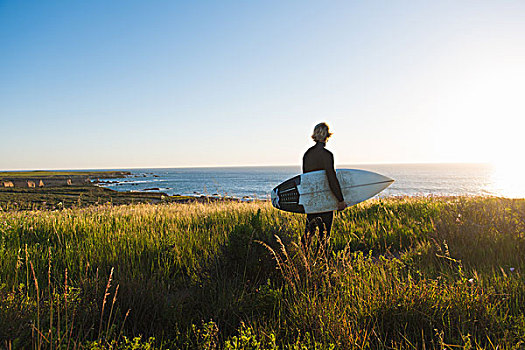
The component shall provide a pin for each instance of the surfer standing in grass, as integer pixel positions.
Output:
(318, 157)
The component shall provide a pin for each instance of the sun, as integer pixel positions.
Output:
(508, 177)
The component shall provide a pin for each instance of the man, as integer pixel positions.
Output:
(319, 158)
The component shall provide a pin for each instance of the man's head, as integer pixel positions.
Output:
(321, 133)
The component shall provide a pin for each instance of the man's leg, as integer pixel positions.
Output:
(327, 219)
(309, 229)
(323, 221)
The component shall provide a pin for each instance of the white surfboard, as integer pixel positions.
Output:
(310, 192)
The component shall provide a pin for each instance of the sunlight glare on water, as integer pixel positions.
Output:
(509, 180)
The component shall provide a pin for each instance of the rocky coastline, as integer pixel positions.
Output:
(56, 190)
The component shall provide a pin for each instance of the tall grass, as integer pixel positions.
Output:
(398, 273)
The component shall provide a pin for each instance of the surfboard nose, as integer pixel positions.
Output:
(387, 179)
(375, 177)
(383, 181)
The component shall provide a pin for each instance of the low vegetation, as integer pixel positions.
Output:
(399, 273)
(79, 196)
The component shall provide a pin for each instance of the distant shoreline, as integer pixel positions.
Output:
(56, 190)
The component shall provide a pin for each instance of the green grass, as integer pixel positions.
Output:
(404, 273)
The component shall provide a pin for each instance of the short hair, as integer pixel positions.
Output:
(321, 132)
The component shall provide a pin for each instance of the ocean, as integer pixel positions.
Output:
(257, 182)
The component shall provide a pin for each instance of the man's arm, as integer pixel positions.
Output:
(332, 179)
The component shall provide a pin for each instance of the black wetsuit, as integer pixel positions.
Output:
(319, 158)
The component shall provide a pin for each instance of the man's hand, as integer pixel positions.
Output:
(341, 205)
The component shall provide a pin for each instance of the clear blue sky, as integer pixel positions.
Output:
(118, 84)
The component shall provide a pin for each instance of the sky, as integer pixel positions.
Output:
(125, 84)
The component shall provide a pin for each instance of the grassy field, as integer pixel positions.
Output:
(400, 273)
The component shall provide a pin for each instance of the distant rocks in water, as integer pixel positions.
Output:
(152, 189)
(103, 182)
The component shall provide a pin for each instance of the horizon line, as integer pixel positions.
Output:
(243, 166)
